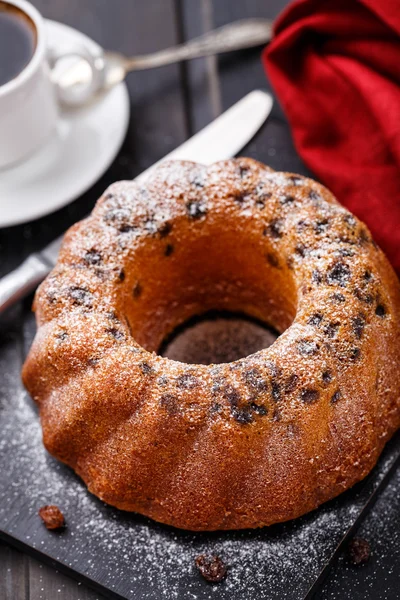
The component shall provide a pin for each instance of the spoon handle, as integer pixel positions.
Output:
(245, 33)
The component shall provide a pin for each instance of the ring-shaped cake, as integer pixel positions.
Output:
(244, 444)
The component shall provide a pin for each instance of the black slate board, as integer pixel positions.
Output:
(133, 557)
(104, 547)
(379, 578)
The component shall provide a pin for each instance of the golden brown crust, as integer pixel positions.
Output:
(245, 444)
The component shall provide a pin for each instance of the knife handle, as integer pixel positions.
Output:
(17, 284)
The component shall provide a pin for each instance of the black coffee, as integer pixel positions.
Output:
(17, 41)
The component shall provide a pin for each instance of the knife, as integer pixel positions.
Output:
(220, 140)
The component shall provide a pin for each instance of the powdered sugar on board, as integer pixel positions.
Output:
(131, 555)
(379, 577)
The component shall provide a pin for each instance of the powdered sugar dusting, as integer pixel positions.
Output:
(138, 558)
(378, 578)
(320, 244)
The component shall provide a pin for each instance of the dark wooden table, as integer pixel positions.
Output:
(168, 105)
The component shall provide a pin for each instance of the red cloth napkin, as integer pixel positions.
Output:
(335, 65)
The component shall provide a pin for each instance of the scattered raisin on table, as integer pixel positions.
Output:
(52, 517)
(211, 567)
(359, 551)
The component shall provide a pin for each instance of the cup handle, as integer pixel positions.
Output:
(75, 87)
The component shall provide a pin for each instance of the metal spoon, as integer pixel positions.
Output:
(81, 79)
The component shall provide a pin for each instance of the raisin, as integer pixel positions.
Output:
(345, 252)
(363, 237)
(243, 171)
(321, 226)
(355, 353)
(51, 297)
(262, 195)
(338, 274)
(232, 395)
(331, 329)
(276, 416)
(276, 391)
(52, 517)
(327, 377)
(315, 320)
(92, 257)
(254, 380)
(170, 403)
(316, 277)
(211, 567)
(80, 296)
(336, 396)
(165, 229)
(274, 229)
(196, 210)
(146, 368)
(92, 362)
(115, 333)
(168, 250)
(242, 415)
(121, 275)
(301, 225)
(338, 298)
(215, 408)
(217, 385)
(137, 290)
(260, 203)
(296, 179)
(275, 370)
(62, 336)
(301, 250)
(118, 216)
(363, 296)
(287, 199)
(273, 260)
(309, 396)
(359, 551)
(187, 381)
(358, 324)
(380, 311)
(198, 181)
(257, 408)
(350, 220)
(150, 225)
(239, 197)
(313, 195)
(125, 228)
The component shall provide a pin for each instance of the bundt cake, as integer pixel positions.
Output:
(244, 444)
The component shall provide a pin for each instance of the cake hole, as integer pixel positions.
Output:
(217, 337)
(221, 269)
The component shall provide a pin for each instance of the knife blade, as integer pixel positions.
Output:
(221, 139)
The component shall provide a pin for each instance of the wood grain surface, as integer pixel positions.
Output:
(167, 106)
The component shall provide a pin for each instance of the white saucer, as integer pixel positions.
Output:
(80, 151)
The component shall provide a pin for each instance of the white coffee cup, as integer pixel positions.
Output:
(29, 103)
